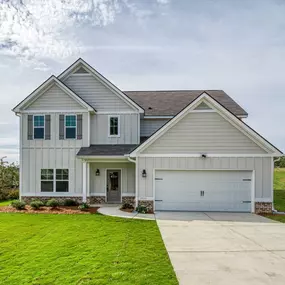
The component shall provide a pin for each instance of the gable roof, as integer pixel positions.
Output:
(227, 114)
(80, 62)
(43, 87)
(171, 102)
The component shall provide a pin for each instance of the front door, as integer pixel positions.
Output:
(113, 186)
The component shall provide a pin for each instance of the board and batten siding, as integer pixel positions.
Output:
(203, 132)
(128, 129)
(54, 98)
(98, 183)
(261, 165)
(53, 153)
(150, 126)
(97, 94)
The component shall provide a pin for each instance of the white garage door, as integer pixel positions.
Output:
(203, 190)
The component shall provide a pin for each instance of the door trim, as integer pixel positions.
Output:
(177, 169)
(105, 183)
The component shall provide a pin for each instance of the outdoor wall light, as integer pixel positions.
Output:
(97, 172)
(143, 173)
(203, 155)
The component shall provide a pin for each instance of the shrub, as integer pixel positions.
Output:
(52, 203)
(127, 206)
(70, 202)
(83, 207)
(4, 194)
(13, 194)
(142, 209)
(18, 205)
(36, 204)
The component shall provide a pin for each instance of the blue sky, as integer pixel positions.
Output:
(237, 46)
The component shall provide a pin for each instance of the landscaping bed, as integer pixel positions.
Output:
(49, 210)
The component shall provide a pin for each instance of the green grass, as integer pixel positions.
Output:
(5, 203)
(279, 179)
(278, 218)
(81, 249)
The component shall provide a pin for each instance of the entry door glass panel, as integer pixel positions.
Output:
(114, 185)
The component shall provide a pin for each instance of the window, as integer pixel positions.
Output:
(57, 183)
(70, 126)
(62, 180)
(47, 180)
(39, 126)
(114, 126)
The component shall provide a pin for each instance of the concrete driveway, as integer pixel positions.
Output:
(224, 248)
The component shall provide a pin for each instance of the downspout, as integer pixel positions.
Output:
(276, 160)
(136, 181)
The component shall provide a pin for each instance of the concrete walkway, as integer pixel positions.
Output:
(224, 248)
(114, 210)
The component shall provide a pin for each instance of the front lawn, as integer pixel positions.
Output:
(279, 179)
(5, 203)
(81, 249)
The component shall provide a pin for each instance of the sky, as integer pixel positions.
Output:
(236, 46)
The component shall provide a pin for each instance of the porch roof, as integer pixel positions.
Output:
(106, 150)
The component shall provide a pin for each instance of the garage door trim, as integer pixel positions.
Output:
(178, 169)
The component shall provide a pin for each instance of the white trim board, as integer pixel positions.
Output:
(80, 62)
(43, 88)
(209, 155)
(232, 119)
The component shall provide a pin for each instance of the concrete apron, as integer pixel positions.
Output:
(224, 248)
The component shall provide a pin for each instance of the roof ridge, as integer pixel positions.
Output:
(174, 90)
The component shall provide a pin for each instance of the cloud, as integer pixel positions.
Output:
(34, 31)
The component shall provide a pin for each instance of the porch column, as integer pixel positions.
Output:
(84, 182)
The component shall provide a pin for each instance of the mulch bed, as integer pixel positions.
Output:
(48, 210)
(128, 210)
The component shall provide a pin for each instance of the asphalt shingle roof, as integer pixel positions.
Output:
(106, 149)
(171, 102)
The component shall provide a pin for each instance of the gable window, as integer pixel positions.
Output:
(46, 180)
(70, 126)
(62, 180)
(114, 126)
(39, 126)
(54, 183)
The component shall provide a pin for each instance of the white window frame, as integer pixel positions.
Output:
(70, 127)
(54, 180)
(109, 125)
(37, 127)
(49, 180)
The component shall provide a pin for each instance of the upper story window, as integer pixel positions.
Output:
(70, 126)
(39, 126)
(114, 126)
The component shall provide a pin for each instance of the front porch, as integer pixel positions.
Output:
(108, 181)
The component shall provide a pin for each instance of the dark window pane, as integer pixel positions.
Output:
(70, 133)
(47, 186)
(39, 121)
(70, 121)
(114, 130)
(61, 186)
(38, 133)
(46, 174)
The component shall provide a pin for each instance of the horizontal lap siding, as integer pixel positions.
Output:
(128, 129)
(98, 183)
(203, 132)
(150, 126)
(262, 167)
(96, 94)
(55, 99)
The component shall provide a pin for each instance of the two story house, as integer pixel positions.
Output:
(83, 138)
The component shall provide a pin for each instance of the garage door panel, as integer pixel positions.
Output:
(222, 190)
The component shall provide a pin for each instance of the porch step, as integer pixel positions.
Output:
(105, 205)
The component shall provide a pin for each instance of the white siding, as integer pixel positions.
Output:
(149, 126)
(34, 160)
(128, 129)
(98, 183)
(96, 94)
(203, 132)
(54, 98)
(261, 166)
(55, 142)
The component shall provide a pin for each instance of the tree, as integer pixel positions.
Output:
(280, 163)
